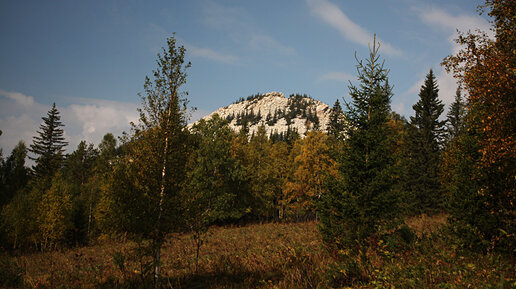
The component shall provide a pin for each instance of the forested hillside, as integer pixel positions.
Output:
(344, 200)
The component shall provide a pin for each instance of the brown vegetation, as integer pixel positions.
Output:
(273, 255)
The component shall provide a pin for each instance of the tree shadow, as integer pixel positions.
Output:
(224, 279)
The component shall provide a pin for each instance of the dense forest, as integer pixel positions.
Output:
(359, 181)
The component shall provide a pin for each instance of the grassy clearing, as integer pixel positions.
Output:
(265, 256)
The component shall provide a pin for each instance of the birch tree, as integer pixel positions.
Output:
(151, 172)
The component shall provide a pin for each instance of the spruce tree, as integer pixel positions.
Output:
(48, 145)
(336, 124)
(426, 135)
(360, 202)
(455, 117)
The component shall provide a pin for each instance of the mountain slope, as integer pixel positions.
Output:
(276, 113)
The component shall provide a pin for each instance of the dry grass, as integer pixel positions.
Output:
(424, 224)
(262, 256)
(289, 255)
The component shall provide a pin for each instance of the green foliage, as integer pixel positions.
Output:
(259, 167)
(214, 181)
(361, 202)
(149, 176)
(78, 171)
(19, 220)
(425, 139)
(54, 211)
(470, 218)
(13, 174)
(155, 152)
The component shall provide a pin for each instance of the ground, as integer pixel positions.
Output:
(271, 255)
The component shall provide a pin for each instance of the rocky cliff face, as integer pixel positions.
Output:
(276, 113)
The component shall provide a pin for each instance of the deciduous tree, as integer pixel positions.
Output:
(486, 69)
(156, 153)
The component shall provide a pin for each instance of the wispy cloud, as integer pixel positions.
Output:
(440, 18)
(18, 97)
(449, 23)
(216, 15)
(436, 17)
(210, 54)
(268, 42)
(336, 76)
(336, 18)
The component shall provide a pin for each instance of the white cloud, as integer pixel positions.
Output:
(87, 119)
(268, 42)
(210, 54)
(92, 119)
(399, 107)
(18, 97)
(335, 17)
(336, 76)
(450, 23)
(447, 87)
(440, 18)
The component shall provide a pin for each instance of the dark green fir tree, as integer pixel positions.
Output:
(48, 145)
(425, 139)
(361, 202)
(337, 122)
(455, 117)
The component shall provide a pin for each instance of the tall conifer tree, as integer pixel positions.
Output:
(361, 202)
(455, 117)
(336, 124)
(48, 146)
(426, 136)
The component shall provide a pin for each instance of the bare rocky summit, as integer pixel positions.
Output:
(277, 113)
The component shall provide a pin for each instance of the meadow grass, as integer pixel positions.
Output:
(271, 255)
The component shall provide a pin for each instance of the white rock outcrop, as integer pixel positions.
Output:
(268, 105)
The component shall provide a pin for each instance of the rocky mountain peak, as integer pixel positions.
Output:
(276, 113)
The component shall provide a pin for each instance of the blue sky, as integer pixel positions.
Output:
(91, 57)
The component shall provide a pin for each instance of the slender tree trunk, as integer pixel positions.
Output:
(160, 211)
(157, 260)
(162, 195)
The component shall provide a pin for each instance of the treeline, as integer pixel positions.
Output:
(229, 176)
(361, 178)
